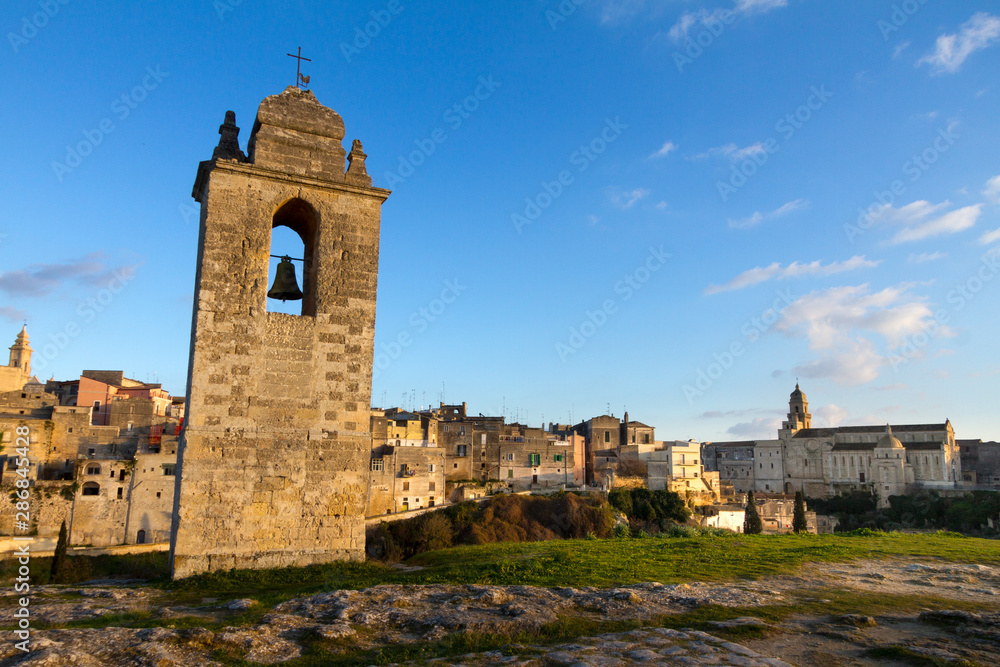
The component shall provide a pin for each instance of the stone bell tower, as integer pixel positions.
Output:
(272, 465)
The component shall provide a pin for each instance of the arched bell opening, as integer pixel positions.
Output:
(293, 236)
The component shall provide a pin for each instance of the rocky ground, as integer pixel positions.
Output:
(349, 621)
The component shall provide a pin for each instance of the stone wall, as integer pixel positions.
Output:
(273, 465)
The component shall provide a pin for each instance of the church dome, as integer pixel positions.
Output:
(797, 393)
(888, 440)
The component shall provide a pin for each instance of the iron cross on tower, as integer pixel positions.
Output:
(300, 78)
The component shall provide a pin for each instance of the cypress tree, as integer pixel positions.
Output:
(59, 558)
(799, 524)
(752, 525)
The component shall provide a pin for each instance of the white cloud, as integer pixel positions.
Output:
(843, 325)
(614, 11)
(734, 152)
(760, 6)
(830, 415)
(823, 316)
(899, 49)
(990, 237)
(775, 271)
(665, 150)
(625, 199)
(992, 190)
(909, 214)
(662, 205)
(761, 428)
(926, 257)
(704, 17)
(12, 314)
(758, 217)
(949, 223)
(950, 51)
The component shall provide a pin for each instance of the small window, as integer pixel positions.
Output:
(510, 457)
(406, 486)
(93, 470)
(432, 486)
(510, 473)
(157, 494)
(70, 429)
(91, 489)
(461, 430)
(430, 467)
(607, 436)
(535, 459)
(121, 491)
(168, 469)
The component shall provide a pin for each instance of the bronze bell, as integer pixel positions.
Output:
(285, 286)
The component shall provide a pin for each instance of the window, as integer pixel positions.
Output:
(294, 229)
(168, 469)
(432, 486)
(482, 439)
(70, 429)
(377, 465)
(97, 406)
(157, 494)
(607, 436)
(456, 466)
(534, 459)
(406, 486)
(129, 427)
(462, 450)
(645, 438)
(120, 492)
(510, 473)
(430, 502)
(431, 467)
(91, 489)
(446, 428)
(557, 458)
(91, 451)
(510, 457)
(461, 430)
(93, 470)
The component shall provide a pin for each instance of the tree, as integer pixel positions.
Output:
(59, 558)
(752, 525)
(799, 524)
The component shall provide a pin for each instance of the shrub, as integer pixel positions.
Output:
(752, 525)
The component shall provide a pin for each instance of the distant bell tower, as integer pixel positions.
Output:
(20, 352)
(798, 411)
(273, 462)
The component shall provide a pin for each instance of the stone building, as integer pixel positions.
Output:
(274, 463)
(980, 464)
(822, 462)
(734, 461)
(406, 478)
(17, 372)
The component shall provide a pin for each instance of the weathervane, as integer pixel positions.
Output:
(300, 78)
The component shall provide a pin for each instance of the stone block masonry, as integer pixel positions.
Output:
(273, 464)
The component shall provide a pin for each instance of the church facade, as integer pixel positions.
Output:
(886, 460)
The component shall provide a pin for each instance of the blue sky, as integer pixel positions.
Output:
(674, 207)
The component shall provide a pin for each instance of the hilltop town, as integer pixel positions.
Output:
(104, 459)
